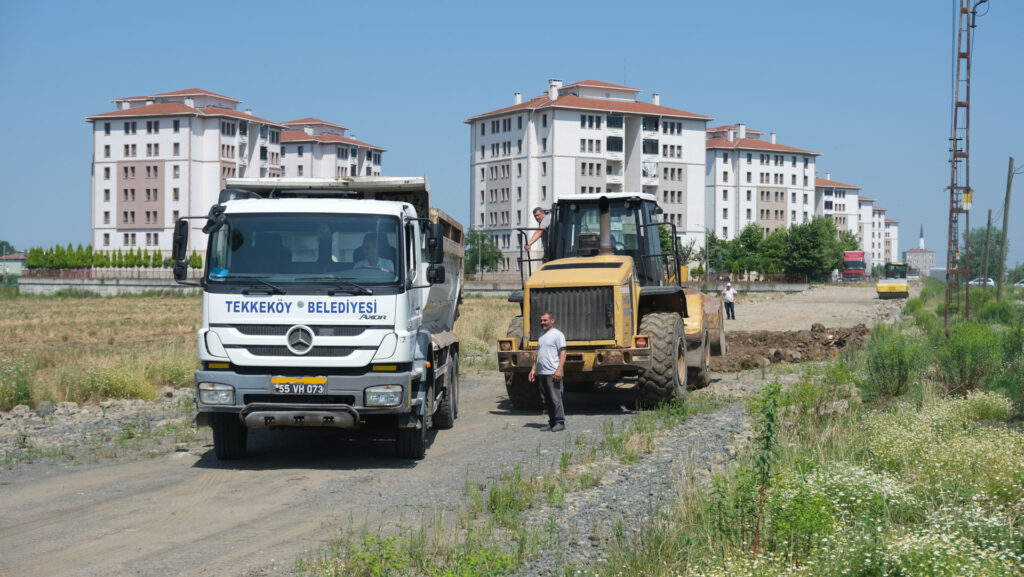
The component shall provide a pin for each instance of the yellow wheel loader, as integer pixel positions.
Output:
(617, 298)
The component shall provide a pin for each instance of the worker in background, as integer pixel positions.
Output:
(730, 301)
(543, 222)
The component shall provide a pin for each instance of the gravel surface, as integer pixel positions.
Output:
(125, 489)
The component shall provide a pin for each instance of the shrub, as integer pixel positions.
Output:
(895, 359)
(1001, 312)
(969, 357)
(16, 382)
(934, 552)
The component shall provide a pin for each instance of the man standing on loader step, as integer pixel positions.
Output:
(549, 370)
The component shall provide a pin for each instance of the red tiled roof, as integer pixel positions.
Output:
(599, 84)
(311, 120)
(162, 109)
(14, 256)
(753, 144)
(186, 92)
(175, 108)
(731, 127)
(301, 136)
(879, 209)
(890, 221)
(528, 105)
(573, 101)
(833, 183)
(194, 92)
(218, 111)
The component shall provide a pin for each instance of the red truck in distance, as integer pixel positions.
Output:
(854, 265)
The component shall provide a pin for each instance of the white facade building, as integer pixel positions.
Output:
(588, 137)
(750, 180)
(167, 155)
(891, 249)
(840, 202)
(316, 148)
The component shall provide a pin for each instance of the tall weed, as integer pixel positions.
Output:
(969, 358)
(895, 360)
(16, 382)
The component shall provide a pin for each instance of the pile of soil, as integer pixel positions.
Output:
(749, 350)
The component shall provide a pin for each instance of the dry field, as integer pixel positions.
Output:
(87, 349)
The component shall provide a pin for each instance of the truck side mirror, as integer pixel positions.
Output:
(180, 245)
(179, 248)
(435, 274)
(435, 244)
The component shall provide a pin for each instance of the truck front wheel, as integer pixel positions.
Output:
(412, 442)
(230, 436)
(666, 379)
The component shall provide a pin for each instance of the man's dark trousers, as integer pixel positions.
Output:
(551, 392)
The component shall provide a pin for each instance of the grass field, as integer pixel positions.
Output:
(86, 349)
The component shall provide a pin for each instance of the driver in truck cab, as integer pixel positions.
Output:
(371, 256)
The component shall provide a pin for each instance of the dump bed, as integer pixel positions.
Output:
(443, 299)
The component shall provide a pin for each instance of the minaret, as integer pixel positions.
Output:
(920, 243)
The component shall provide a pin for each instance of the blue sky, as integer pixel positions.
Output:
(865, 84)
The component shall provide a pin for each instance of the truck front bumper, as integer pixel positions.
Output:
(342, 405)
(590, 360)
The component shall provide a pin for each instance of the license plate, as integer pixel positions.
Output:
(300, 386)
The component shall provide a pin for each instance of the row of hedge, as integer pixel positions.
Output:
(59, 257)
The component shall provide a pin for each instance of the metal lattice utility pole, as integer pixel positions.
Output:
(958, 268)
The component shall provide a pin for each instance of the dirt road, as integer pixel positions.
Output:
(185, 513)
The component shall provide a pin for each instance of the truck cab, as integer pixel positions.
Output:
(327, 305)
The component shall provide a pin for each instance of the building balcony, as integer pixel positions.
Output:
(614, 178)
(649, 181)
(243, 161)
(614, 155)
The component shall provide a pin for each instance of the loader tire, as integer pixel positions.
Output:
(666, 379)
(230, 436)
(698, 376)
(523, 394)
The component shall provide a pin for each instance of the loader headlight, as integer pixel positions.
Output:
(216, 394)
(383, 396)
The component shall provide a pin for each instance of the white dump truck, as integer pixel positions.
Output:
(327, 303)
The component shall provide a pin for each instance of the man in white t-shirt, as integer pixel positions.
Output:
(730, 301)
(543, 222)
(549, 370)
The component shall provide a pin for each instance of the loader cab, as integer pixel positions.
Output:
(575, 231)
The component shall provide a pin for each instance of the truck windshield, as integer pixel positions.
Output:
(305, 248)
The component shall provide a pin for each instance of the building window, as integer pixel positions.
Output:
(106, 128)
(106, 173)
(176, 169)
(544, 169)
(106, 217)
(543, 192)
(544, 120)
(106, 151)
(301, 150)
(725, 194)
(725, 213)
(300, 170)
(544, 144)
(725, 176)
(177, 149)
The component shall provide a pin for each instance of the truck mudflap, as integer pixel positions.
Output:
(267, 415)
(575, 361)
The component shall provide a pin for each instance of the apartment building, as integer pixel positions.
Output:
(166, 155)
(587, 137)
(839, 202)
(872, 233)
(891, 242)
(316, 148)
(752, 180)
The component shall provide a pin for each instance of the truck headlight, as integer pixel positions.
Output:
(383, 396)
(216, 394)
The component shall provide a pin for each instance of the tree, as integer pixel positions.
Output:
(715, 252)
(813, 249)
(849, 241)
(481, 252)
(773, 251)
(977, 255)
(745, 249)
(8, 248)
(195, 261)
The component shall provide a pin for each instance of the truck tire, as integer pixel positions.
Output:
(444, 417)
(230, 436)
(523, 394)
(697, 373)
(411, 443)
(666, 379)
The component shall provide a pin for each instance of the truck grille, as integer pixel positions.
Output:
(581, 313)
(281, 351)
(281, 330)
